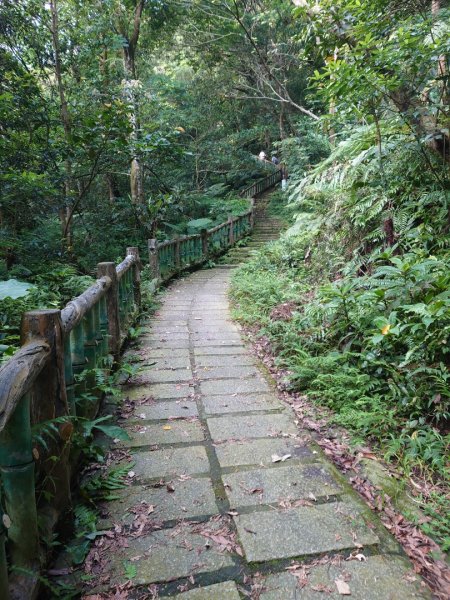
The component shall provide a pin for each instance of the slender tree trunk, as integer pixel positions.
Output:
(113, 191)
(64, 212)
(110, 179)
(132, 95)
(281, 121)
(440, 144)
(332, 131)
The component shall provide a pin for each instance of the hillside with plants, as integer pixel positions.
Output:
(355, 298)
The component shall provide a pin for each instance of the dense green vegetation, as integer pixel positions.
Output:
(117, 125)
(355, 299)
(125, 120)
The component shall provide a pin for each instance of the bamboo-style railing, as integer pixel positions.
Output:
(39, 383)
(168, 258)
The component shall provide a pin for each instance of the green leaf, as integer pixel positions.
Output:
(113, 431)
(12, 288)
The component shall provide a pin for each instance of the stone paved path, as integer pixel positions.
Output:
(210, 512)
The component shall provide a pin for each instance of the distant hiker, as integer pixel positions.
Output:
(262, 155)
(275, 160)
(284, 176)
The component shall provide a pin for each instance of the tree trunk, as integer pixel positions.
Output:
(64, 212)
(331, 130)
(281, 121)
(131, 93)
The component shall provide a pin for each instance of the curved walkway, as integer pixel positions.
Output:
(227, 498)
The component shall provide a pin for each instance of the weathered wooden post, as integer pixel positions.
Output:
(134, 251)
(129, 297)
(17, 473)
(108, 269)
(98, 332)
(204, 235)
(49, 400)
(153, 259)
(122, 301)
(103, 326)
(231, 230)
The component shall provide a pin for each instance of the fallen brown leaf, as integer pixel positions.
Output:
(342, 587)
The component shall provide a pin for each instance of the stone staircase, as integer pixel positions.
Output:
(267, 229)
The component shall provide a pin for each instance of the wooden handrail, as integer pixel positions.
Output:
(124, 266)
(170, 257)
(262, 184)
(39, 383)
(76, 309)
(18, 374)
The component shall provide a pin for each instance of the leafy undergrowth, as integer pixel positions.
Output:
(370, 348)
(355, 301)
(351, 460)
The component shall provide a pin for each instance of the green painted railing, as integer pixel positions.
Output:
(40, 383)
(168, 258)
(263, 184)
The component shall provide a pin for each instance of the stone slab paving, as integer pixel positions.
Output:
(303, 531)
(220, 350)
(167, 432)
(170, 462)
(163, 391)
(167, 555)
(250, 426)
(224, 360)
(223, 485)
(190, 498)
(151, 375)
(227, 372)
(234, 386)
(260, 452)
(266, 486)
(237, 404)
(166, 410)
(376, 578)
(219, 591)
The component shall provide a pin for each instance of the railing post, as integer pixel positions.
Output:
(90, 348)
(108, 269)
(204, 235)
(49, 400)
(231, 230)
(252, 214)
(17, 473)
(177, 254)
(153, 259)
(134, 251)
(78, 358)
(68, 376)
